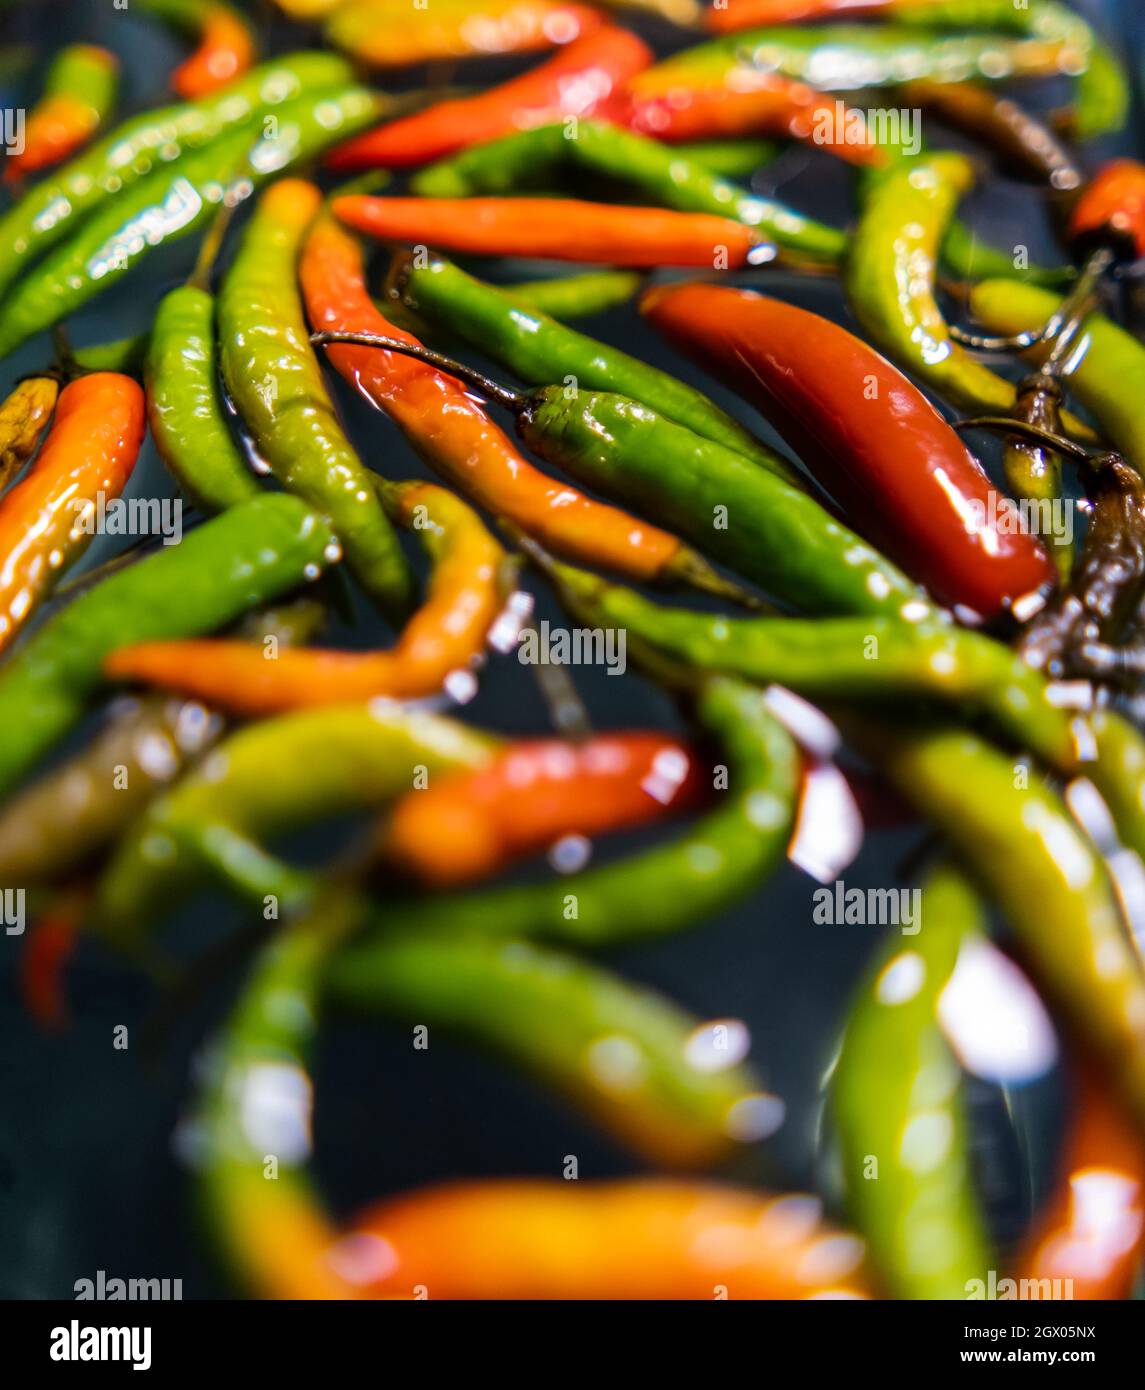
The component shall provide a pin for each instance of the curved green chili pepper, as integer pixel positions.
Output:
(659, 892)
(242, 559)
(539, 350)
(575, 296)
(624, 1055)
(126, 355)
(146, 143)
(173, 202)
(731, 159)
(967, 258)
(263, 781)
(186, 415)
(897, 1102)
(275, 380)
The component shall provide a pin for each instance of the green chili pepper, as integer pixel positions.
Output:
(540, 350)
(731, 159)
(626, 1056)
(899, 1111)
(241, 559)
(137, 148)
(965, 257)
(575, 296)
(276, 382)
(171, 204)
(186, 415)
(263, 781)
(126, 355)
(657, 893)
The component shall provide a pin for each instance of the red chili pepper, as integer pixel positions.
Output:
(578, 81)
(872, 440)
(48, 519)
(226, 50)
(559, 229)
(1111, 209)
(1093, 1232)
(727, 16)
(50, 944)
(78, 97)
(471, 825)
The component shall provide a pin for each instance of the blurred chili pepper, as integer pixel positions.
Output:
(24, 416)
(444, 638)
(392, 34)
(48, 519)
(474, 825)
(580, 296)
(226, 46)
(633, 1238)
(562, 229)
(1092, 1231)
(899, 1112)
(868, 435)
(730, 159)
(79, 93)
(49, 946)
(275, 381)
(1111, 210)
(242, 559)
(458, 440)
(147, 143)
(577, 82)
(173, 202)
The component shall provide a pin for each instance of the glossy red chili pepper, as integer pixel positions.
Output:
(867, 435)
(727, 16)
(559, 229)
(1111, 210)
(578, 81)
(467, 826)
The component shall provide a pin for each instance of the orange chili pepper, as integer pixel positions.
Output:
(730, 15)
(578, 81)
(560, 229)
(1093, 1231)
(226, 50)
(395, 33)
(46, 519)
(1112, 207)
(456, 437)
(446, 635)
(470, 825)
(79, 93)
(635, 1238)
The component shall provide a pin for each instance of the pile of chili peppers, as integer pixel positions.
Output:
(902, 585)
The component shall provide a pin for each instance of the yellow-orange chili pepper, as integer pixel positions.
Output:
(23, 417)
(79, 93)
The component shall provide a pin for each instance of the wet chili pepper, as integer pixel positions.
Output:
(1111, 210)
(225, 45)
(79, 93)
(137, 148)
(172, 203)
(634, 1238)
(866, 434)
(24, 416)
(275, 381)
(575, 83)
(242, 559)
(260, 783)
(389, 34)
(440, 644)
(575, 296)
(474, 825)
(48, 519)
(562, 229)
(453, 434)
(899, 1112)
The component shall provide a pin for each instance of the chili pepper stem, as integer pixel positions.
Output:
(1004, 424)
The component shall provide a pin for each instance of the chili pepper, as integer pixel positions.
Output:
(576, 82)
(868, 435)
(1111, 210)
(126, 355)
(1020, 845)
(899, 1112)
(965, 257)
(443, 639)
(23, 418)
(79, 93)
(575, 296)
(49, 946)
(47, 520)
(225, 45)
(275, 380)
(561, 229)
(731, 159)
(239, 560)
(682, 12)
(457, 439)
(632, 1238)
(388, 34)
(474, 825)
(172, 203)
(135, 149)
(650, 895)
(1092, 1230)
(538, 350)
